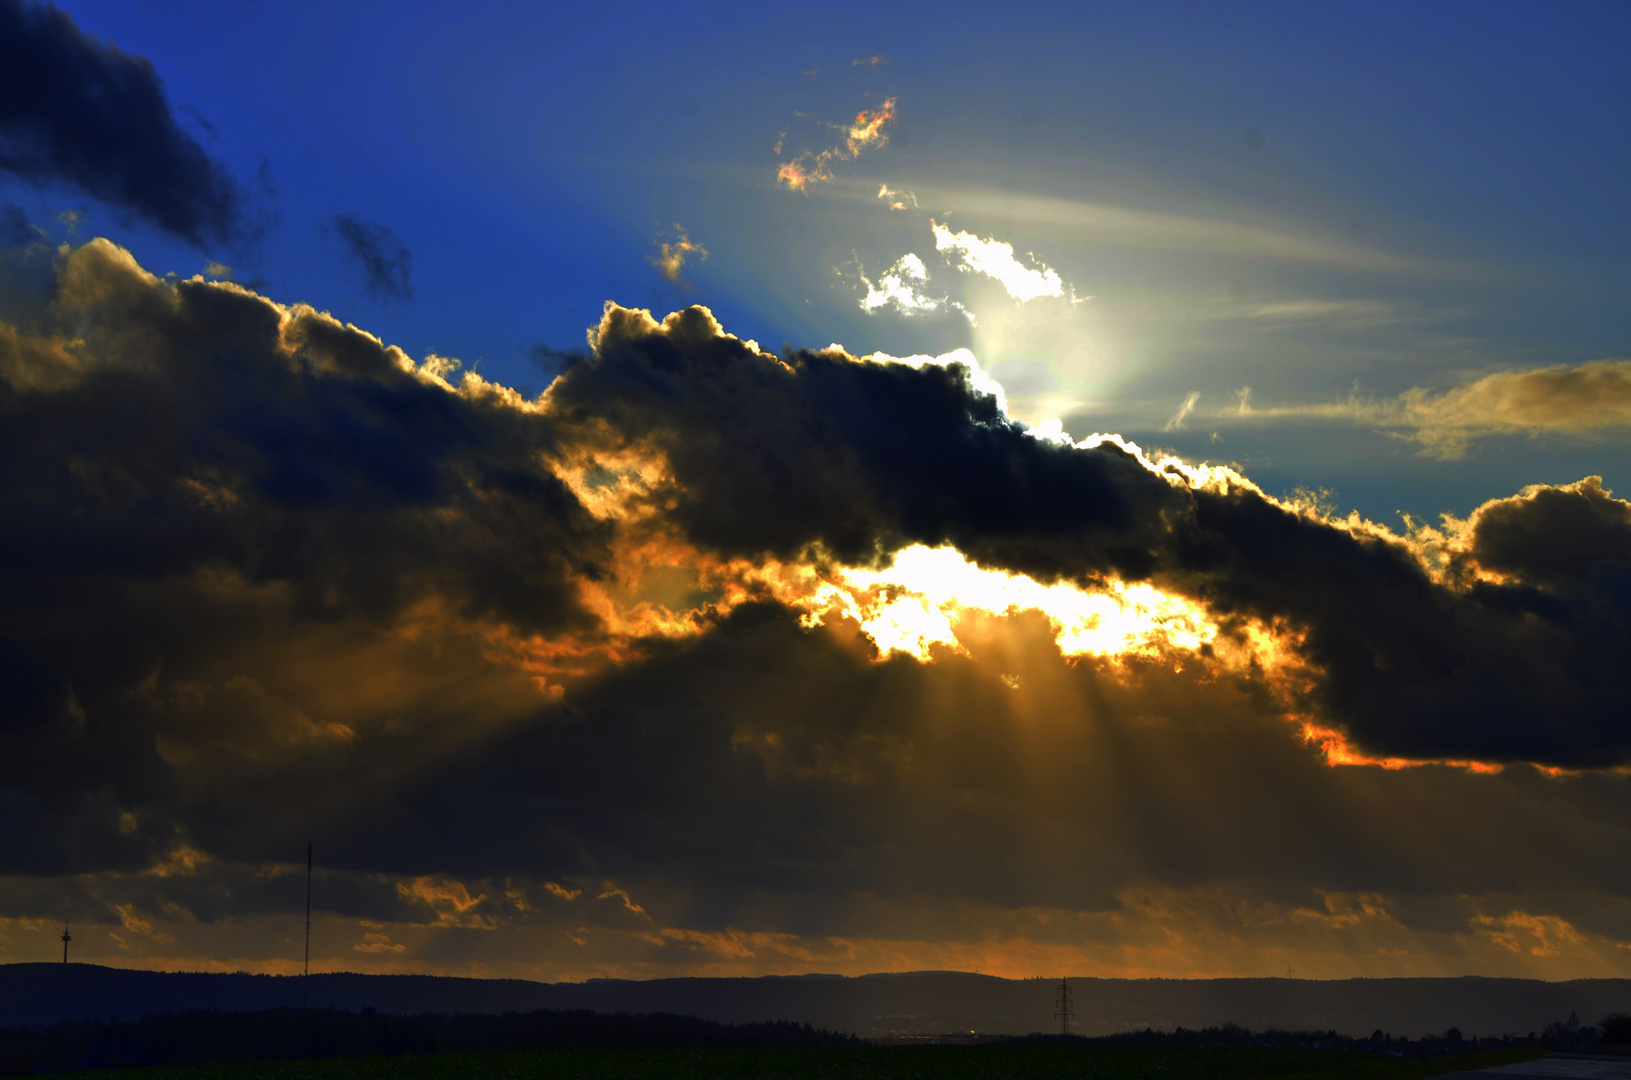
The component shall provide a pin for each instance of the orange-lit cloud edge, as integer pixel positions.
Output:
(920, 605)
(865, 132)
(917, 604)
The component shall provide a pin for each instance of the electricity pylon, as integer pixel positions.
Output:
(1064, 1014)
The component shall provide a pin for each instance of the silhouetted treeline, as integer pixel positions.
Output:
(202, 1036)
(1379, 1042)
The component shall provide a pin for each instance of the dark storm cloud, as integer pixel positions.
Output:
(262, 576)
(213, 504)
(864, 458)
(76, 111)
(378, 251)
(769, 458)
(1419, 669)
(1559, 537)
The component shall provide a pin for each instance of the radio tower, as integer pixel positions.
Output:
(66, 938)
(1065, 1015)
(305, 973)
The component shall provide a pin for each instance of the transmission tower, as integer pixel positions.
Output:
(1064, 1014)
(66, 938)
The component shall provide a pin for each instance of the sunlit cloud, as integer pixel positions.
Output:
(870, 61)
(917, 602)
(978, 378)
(1579, 400)
(449, 899)
(897, 200)
(671, 254)
(1339, 751)
(901, 287)
(995, 259)
(1587, 400)
(865, 132)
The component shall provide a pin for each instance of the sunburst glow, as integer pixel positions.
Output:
(915, 604)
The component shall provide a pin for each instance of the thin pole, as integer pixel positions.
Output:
(66, 938)
(305, 976)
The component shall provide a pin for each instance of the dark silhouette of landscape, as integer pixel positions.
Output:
(871, 1006)
(208, 1036)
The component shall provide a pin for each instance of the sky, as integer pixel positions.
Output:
(734, 489)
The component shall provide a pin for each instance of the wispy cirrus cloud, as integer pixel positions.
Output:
(1185, 407)
(1586, 400)
(1344, 313)
(1582, 400)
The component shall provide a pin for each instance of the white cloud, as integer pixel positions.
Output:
(995, 259)
(902, 287)
(1051, 430)
(899, 285)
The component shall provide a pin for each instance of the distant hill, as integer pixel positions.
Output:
(871, 1006)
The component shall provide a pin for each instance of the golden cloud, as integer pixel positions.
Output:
(867, 131)
(671, 254)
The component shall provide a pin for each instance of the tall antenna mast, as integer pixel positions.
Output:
(305, 975)
(1065, 1015)
(66, 938)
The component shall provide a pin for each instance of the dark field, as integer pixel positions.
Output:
(995, 1062)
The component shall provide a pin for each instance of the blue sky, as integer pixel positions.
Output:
(1454, 172)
